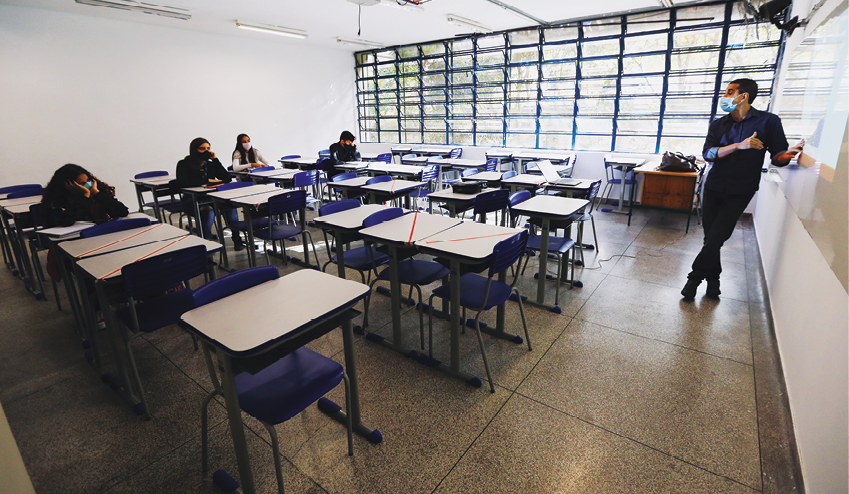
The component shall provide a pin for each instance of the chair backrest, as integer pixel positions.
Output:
(378, 179)
(508, 174)
(517, 197)
(468, 172)
(507, 252)
(114, 226)
(157, 173)
(233, 185)
(343, 176)
(456, 153)
(488, 202)
(262, 168)
(25, 193)
(234, 282)
(593, 190)
(429, 173)
(411, 155)
(338, 206)
(324, 153)
(287, 202)
(382, 215)
(384, 157)
(491, 165)
(35, 212)
(15, 188)
(154, 275)
(291, 157)
(305, 178)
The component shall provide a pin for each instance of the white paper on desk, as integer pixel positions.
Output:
(61, 231)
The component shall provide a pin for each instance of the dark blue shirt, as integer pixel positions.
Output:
(740, 171)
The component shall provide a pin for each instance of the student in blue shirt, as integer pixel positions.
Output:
(736, 144)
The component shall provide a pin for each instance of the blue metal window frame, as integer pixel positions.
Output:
(665, 119)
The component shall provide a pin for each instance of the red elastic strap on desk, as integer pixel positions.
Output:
(413, 228)
(119, 241)
(392, 189)
(471, 238)
(148, 255)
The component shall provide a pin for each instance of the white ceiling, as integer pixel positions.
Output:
(324, 20)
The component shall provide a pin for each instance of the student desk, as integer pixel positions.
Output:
(626, 165)
(369, 156)
(353, 166)
(667, 190)
(442, 151)
(300, 163)
(406, 171)
(523, 181)
(350, 187)
(417, 160)
(548, 209)
(521, 158)
(345, 227)
(398, 233)
(221, 199)
(14, 241)
(196, 196)
(276, 175)
(467, 243)
(105, 272)
(253, 206)
(153, 185)
(492, 179)
(453, 200)
(292, 316)
(571, 190)
(401, 150)
(393, 189)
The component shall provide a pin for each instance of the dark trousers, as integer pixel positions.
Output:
(720, 214)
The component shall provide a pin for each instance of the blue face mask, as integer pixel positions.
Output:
(727, 103)
(88, 185)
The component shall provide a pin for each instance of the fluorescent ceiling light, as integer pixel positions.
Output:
(278, 30)
(146, 8)
(463, 22)
(363, 42)
(402, 4)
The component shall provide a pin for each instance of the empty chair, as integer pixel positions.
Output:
(588, 215)
(609, 174)
(308, 181)
(15, 188)
(324, 153)
(118, 225)
(281, 390)
(336, 193)
(456, 153)
(262, 169)
(233, 222)
(291, 157)
(492, 201)
(378, 179)
(408, 156)
(413, 272)
(362, 259)
(491, 165)
(167, 195)
(384, 157)
(480, 293)
(468, 172)
(508, 174)
(29, 192)
(153, 302)
(275, 230)
(430, 174)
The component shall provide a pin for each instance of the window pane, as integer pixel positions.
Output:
(602, 27)
(408, 51)
(557, 107)
(528, 37)
(634, 144)
(637, 126)
(558, 52)
(489, 109)
(523, 73)
(594, 106)
(493, 41)
(560, 34)
(595, 125)
(593, 143)
(751, 57)
(522, 108)
(435, 124)
(696, 16)
(559, 70)
(521, 140)
(688, 106)
(433, 80)
(461, 61)
(529, 54)
(639, 44)
(555, 141)
(641, 85)
(560, 89)
(643, 64)
(647, 22)
(685, 127)
(433, 49)
(433, 64)
(641, 106)
(600, 48)
(686, 145)
(694, 60)
(598, 87)
(556, 125)
(496, 75)
(388, 124)
(521, 125)
(491, 58)
(697, 39)
(590, 68)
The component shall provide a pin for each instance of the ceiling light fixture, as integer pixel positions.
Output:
(279, 30)
(361, 42)
(463, 22)
(403, 5)
(146, 8)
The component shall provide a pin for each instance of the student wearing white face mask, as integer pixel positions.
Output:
(245, 156)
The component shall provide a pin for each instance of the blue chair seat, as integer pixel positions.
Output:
(288, 386)
(472, 289)
(258, 224)
(162, 202)
(555, 244)
(277, 231)
(416, 271)
(359, 259)
(420, 192)
(159, 312)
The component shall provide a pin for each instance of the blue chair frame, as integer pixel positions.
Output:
(283, 205)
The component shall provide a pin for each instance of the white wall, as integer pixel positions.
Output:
(809, 308)
(121, 98)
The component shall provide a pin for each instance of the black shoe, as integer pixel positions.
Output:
(238, 246)
(689, 290)
(713, 289)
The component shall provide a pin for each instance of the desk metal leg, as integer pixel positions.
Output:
(237, 430)
(30, 282)
(220, 226)
(197, 217)
(251, 246)
(543, 270)
(157, 211)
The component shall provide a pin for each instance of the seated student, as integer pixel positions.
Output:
(74, 194)
(342, 151)
(246, 156)
(200, 168)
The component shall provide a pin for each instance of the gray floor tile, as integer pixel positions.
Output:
(530, 447)
(693, 406)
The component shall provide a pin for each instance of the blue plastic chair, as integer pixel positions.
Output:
(609, 176)
(456, 153)
(33, 191)
(480, 293)
(157, 173)
(592, 193)
(290, 157)
(491, 165)
(158, 294)
(283, 389)
(384, 157)
(172, 204)
(15, 188)
(361, 259)
(242, 225)
(262, 169)
(118, 225)
(430, 174)
(489, 202)
(408, 156)
(274, 230)
(336, 193)
(378, 179)
(468, 172)
(508, 174)
(413, 272)
(307, 179)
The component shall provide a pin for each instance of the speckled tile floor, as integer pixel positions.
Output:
(628, 390)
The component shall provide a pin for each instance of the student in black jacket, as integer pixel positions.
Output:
(200, 168)
(342, 151)
(74, 194)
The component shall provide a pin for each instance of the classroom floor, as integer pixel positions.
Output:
(630, 389)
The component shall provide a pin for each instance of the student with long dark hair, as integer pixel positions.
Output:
(74, 194)
(200, 168)
(245, 156)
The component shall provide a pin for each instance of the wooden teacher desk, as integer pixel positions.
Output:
(667, 190)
